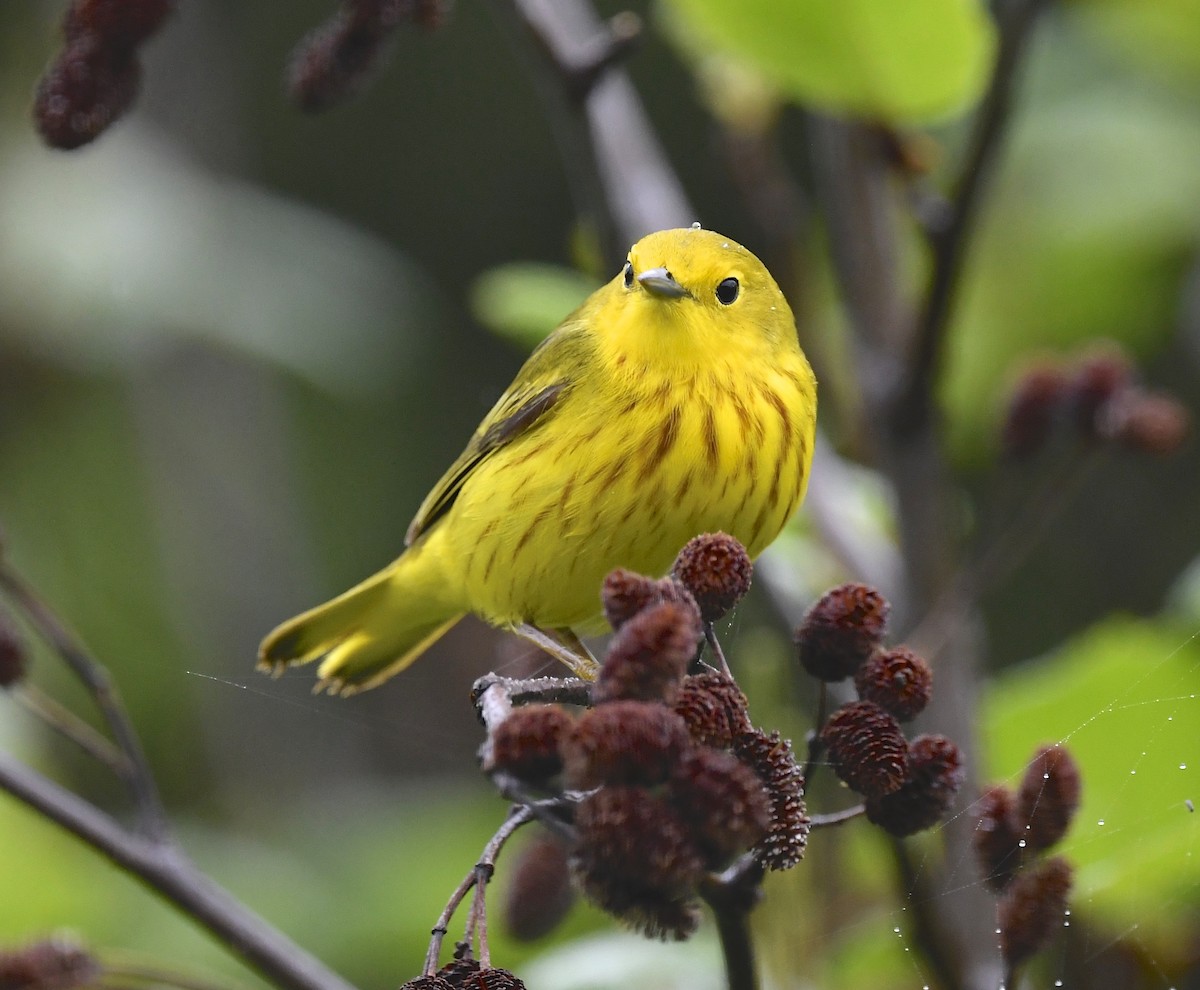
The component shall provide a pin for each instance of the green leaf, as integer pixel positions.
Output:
(1123, 699)
(896, 62)
(524, 301)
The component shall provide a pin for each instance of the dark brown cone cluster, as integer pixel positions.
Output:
(539, 891)
(897, 680)
(866, 748)
(94, 79)
(841, 631)
(637, 859)
(492, 978)
(907, 788)
(649, 833)
(677, 782)
(337, 59)
(935, 773)
(714, 709)
(1033, 408)
(466, 974)
(1098, 395)
(775, 764)
(716, 569)
(458, 970)
(842, 636)
(13, 659)
(1013, 828)
(1047, 799)
(650, 654)
(50, 964)
(722, 800)
(996, 842)
(672, 797)
(1032, 909)
(624, 742)
(528, 743)
(626, 594)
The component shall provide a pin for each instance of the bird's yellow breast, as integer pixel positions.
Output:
(624, 475)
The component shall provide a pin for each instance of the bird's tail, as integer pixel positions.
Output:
(368, 633)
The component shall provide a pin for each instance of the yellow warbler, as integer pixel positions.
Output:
(674, 401)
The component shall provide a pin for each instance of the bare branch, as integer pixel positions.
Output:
(478, 878)
(138, 776)
(164, 868)
(951, 240)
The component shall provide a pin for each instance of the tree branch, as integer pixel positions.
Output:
(950, 239)
(152, 818)
(166, 870)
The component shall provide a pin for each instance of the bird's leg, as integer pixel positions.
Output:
(564, 646)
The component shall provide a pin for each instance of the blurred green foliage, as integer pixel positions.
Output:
(238, 344)
(892, 62)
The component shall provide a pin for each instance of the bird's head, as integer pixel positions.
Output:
(690, 294)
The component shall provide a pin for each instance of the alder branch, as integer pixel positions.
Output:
(135, 768)
(165, 869)
(950, 237)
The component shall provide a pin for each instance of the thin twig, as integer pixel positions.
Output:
(732, 895)
(442, 926)
(548, 811)
(478, 878)
(138, 777)
(476, 932)
(837, 817)
(714, 644)
(70, 726)
(164, 868)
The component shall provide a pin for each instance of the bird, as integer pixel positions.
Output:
(676, 400)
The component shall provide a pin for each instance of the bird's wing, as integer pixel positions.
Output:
(549, 374)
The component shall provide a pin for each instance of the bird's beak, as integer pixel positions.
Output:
(660, 282)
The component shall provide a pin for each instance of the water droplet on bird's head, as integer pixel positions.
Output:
(696, 225)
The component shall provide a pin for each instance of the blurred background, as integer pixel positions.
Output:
(239, 342)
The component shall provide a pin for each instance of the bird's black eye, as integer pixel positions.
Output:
(727, 291)
(629, 274)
